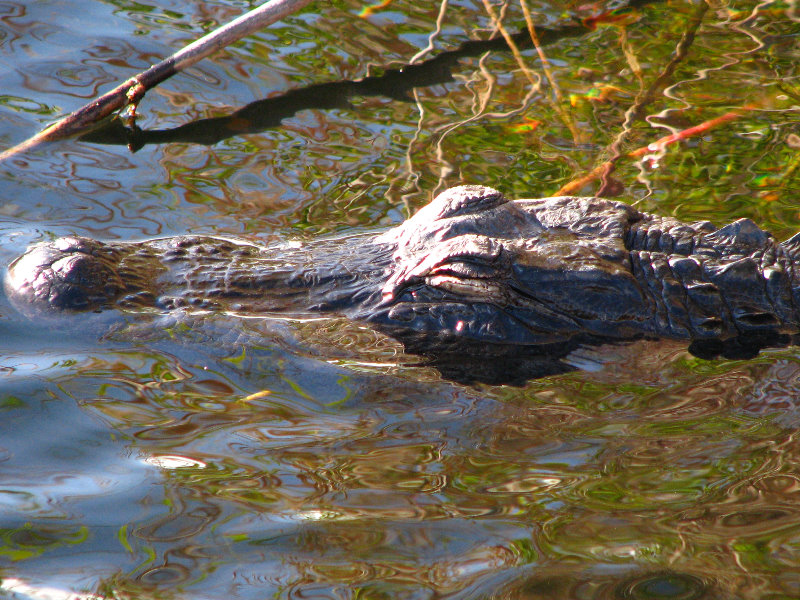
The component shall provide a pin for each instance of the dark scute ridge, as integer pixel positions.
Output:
(466, 199)
(743, 233)
(792, 246)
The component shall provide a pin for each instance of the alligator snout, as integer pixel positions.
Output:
(70, 273)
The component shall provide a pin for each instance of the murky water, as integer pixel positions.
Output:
(224, 458)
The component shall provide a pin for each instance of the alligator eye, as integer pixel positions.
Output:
(464, 269)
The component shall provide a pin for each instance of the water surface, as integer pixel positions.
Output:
(223, 458)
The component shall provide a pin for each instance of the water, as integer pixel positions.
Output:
(226, 458)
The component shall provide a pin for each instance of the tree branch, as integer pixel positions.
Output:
(133, 90)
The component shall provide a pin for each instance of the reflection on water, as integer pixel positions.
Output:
(226, 458)
(293, 474)
(649, 586)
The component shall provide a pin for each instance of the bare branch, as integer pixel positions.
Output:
(133, 90)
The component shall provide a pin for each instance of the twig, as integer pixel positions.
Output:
(412, 176)
(658, 146)
(532, 77)
(643, 99)
(681, 51)
(566, 118)
(133, 90)
(432, 37)
(482, 101)
(368, 11)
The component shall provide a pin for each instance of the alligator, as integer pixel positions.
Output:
(470, 269)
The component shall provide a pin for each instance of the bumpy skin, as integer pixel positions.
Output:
(471, 265)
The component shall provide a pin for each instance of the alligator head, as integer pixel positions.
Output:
(471, 266)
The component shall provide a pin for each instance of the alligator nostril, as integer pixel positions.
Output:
(62, 275)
